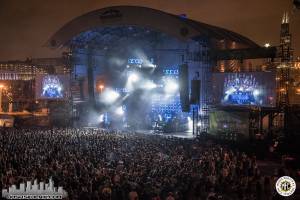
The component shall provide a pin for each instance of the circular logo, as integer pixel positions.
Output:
(285, 186)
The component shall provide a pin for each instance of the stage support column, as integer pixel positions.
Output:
(90, 76)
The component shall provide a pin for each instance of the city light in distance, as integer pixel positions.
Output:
(101, 87)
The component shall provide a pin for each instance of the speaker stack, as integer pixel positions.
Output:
(195, 92)
(184, 87)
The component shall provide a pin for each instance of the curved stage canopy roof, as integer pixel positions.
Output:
(177, 26)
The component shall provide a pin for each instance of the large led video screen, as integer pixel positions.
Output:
(52, 86)
(245, 89)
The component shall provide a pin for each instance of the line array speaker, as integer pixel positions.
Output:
(195, 91)
(184, 87)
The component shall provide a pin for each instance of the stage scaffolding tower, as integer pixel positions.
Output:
(200, 56)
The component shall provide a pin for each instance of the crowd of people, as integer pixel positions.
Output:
(99, 164)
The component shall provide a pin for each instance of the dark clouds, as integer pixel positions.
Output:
(27, 24)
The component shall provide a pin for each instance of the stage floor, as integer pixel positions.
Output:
(187, 135)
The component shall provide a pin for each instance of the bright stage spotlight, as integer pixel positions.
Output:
(133, 77)
(190, 124)
(199, 124)
(109, 96)
(151, 65)
(171, 86)
(256, 92)
(120, 111)
(101, 118)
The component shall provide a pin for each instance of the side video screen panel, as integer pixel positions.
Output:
(244, 89)
(52, 86)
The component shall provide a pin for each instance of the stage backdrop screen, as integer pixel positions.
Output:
(245, 89)
(52, 86)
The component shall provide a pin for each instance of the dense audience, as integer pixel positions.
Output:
(110, 165)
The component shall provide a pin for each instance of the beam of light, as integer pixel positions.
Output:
(190, 124)
(101, 118)
(256, 92)
(119, 111)
(144, 60)
(171, 86)
(101, 87)
(132, 80)
(133, 77)
(199, 124)
(149, 85)
(152, 65)
(160, 117)
(109, 96)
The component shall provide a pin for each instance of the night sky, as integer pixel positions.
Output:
(26, 25)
